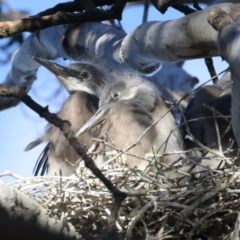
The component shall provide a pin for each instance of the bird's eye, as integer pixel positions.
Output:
(115, 95)
(84, 75)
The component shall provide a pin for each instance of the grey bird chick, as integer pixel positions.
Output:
(203, 127)
(129, 105)
(81, 81)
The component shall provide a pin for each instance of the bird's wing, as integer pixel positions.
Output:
(33, 144)
(42, 161)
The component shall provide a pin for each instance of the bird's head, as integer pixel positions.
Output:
(131, 89)
(76, 77)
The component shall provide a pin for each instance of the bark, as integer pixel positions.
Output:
(142, 50)
(23, 218)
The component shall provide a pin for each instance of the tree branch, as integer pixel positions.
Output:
(23, 218)
(73, 7)
(183, 8)
(219, 19)
(37, 22)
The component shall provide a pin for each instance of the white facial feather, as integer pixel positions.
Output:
(73, 84)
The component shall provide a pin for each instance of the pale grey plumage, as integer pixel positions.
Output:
(81, 81)
(129, 105)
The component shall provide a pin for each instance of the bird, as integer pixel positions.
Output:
(82, 81)
(201, 120)
(127, 107)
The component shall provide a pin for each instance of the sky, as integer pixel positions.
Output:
(20, 125)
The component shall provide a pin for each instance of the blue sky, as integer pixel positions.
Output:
(19, 125)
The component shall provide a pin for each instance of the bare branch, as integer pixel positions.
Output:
(183, 8)
(40, 22)
(219, 19)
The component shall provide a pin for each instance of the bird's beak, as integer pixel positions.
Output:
(62, 72)
(97, 118)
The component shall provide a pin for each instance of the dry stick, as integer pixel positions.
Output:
(125, 151)
(151, 204)
(215, 113)
(117, 150)
(36, 23)
(183, 8)
(8, 173)
(210, 194)
(65, 127)
(200, 144)
(235, 234)
(218, 133)
(145, 11)
(225, 118)
(141, 136)
(73, 7)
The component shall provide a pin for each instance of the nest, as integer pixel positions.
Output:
(156, 208)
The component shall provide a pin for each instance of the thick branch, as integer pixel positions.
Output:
(41, 22)
(23, 218)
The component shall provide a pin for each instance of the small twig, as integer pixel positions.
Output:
(145, 11)
(183, 8)
(235, 234)
(216, 113)
(8, 173)
(218, 133)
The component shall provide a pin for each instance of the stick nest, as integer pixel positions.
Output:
(206, 208)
